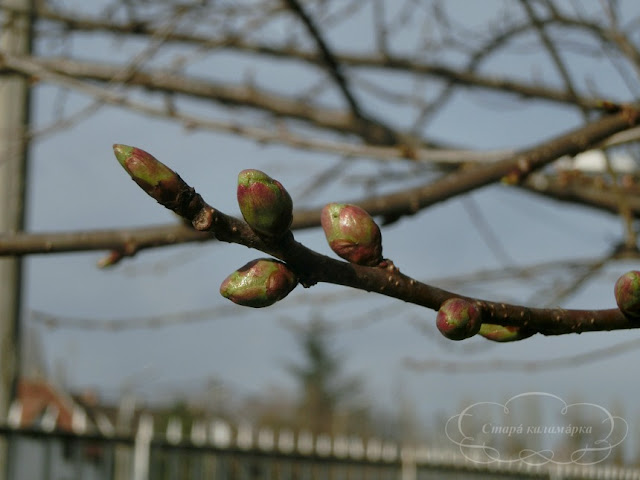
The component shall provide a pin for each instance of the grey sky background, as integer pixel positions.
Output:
(76, 183)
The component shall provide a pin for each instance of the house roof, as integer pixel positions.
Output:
(39, 402)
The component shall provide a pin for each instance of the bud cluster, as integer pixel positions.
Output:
(267, 208)
(351, 232)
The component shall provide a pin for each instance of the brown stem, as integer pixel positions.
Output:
(75, 22)
(390, 206)
(312, 267)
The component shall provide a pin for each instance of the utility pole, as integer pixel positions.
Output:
(15, 38)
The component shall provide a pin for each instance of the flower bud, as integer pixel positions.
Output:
(459, 319)
(265, 204)
(352, 234)
(112, 258)
(153, 176)
(499, 333)
(627, 292)
(259, 283)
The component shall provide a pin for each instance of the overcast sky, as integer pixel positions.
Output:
(76, 183)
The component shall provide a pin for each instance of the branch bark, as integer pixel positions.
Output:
(391, 206)
(382, 60)
(226, 94)
(311, 267)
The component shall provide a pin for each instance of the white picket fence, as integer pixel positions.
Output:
(217, 450)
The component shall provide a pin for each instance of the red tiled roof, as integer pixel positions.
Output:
(36, 396)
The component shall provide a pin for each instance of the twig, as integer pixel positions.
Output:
(392, 206)
(585, 192)
(334, 68)
(623, 203)
(551, 49)
(117, 324)
(311, 268)
(76, 22)
(514, 365)
(227, 94)
(491, 240)
(579, 281)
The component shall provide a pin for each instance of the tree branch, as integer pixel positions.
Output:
(385, 60)
(528, 366)
(226, 94)
(311, 267)
(333, 67)
(390, 206)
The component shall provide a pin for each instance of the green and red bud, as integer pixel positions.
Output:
(265, 204)
(500, 333)
(260, 283)
(111, 259)
(352, 234)
(459, 319)
(153, 176)
(627, 292)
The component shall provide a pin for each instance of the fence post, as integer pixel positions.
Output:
(124, 426)
(142, 448)
(198, 433)
(286, 441)
(220, 434)
(244, 436)
(14, 417)
(78, 420)
(408, 468)
(174, 431)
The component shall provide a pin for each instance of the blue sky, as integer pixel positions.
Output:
(77, 184)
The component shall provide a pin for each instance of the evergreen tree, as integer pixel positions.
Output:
(327, 398)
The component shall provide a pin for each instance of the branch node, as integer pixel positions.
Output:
(204, 219)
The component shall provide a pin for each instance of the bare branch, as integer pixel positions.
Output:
(311, 267)
(446, 61)
(226, 94)
(334, 68)
(586, 191)
(390, 206)
(384, 61)
(528, 366)
(551, 49)
(623, 204)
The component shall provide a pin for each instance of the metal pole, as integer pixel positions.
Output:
(15, 38)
